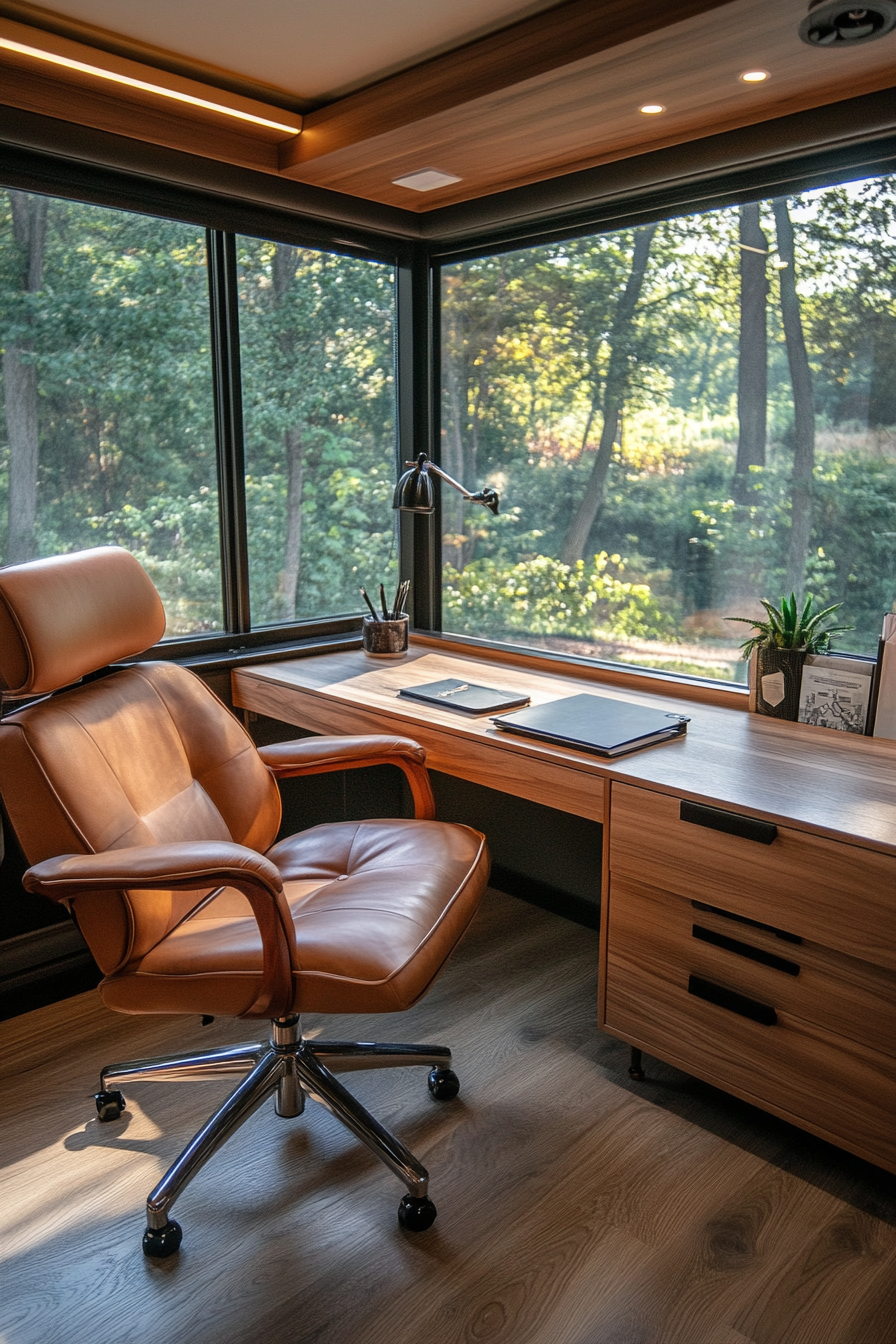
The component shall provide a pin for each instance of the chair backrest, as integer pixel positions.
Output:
(146, 755)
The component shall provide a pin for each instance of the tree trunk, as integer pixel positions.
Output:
(615, 389)
(283, 270)
(29, 222)
(452, 508)
(292, 549)
(803, 405)
(752, 364)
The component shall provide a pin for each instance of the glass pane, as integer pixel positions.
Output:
(316, 334)
(681, 419)
(107, 396)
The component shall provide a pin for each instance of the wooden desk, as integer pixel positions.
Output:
(764, 961)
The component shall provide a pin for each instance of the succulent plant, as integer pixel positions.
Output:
(788, 627)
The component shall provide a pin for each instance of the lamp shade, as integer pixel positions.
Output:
(414, 492)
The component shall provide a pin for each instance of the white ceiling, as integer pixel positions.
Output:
(313, 49)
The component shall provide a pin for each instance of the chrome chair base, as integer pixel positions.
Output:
(289, 1068)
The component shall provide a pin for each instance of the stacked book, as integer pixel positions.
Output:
(851, 693)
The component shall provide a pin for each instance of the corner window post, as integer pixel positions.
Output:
(419, 534)
(225, 344)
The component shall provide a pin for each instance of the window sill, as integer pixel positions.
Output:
(611, 674)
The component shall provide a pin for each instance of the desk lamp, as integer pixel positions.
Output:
(414, 492)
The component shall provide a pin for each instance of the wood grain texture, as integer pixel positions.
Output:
(472, 748)
(849, 997)
(585, 112)
(573, 1207)
(807, 1074)
(554, 94)
(832, 783)
(546, 42)
(84, 100)
(835, 894)
(32, 91)
(64, 48)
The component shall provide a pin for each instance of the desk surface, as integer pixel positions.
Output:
(812, 778)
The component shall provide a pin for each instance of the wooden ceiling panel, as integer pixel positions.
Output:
(553, 94)
(586, 113)
(541, 45)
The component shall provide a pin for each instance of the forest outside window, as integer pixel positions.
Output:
(108, 406)
(680, 418)
(317, 351)
(107, 396)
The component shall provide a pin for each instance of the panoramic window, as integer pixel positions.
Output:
(681, 418)
(316, 334)
(107, 396)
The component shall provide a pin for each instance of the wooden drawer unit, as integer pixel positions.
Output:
(823, 890)
(750, 988)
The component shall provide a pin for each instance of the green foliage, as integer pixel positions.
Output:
(318, 397)
(119, 337)
(542, 596)
(118, 333)
(792, 626)
(526, 345)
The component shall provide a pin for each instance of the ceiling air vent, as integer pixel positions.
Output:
(831, 23)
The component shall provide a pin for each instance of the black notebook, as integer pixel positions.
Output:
(465, 696)
(597, 723)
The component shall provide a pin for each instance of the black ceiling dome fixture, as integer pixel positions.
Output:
(833, 23)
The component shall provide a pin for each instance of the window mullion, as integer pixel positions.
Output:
(225, 340)
(420, 534)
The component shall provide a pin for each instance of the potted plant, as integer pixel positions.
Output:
(781, 644)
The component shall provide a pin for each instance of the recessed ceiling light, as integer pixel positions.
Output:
(651, 109)
(754, 76)
(427, 179)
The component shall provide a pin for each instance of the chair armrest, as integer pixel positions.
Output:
(319, 755)
(185, 867)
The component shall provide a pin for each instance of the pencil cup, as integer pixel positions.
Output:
(385, 639)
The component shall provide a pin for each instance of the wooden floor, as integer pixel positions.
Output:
(575, 1207)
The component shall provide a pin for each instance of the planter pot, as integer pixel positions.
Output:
(778, 675)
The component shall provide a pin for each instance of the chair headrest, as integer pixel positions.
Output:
(69, 615)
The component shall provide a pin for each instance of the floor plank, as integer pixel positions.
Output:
(575, 1207)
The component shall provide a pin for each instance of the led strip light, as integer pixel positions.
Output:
(141, 84)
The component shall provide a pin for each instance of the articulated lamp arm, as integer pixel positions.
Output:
(414, 492)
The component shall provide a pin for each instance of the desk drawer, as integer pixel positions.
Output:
(840, 994)
(691, 1011)
(830, 893)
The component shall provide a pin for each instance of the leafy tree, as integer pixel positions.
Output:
(316, 337)
(752, 367)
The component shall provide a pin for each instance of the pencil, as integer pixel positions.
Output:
(369, 604)
(383, 601)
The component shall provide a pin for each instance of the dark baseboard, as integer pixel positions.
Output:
(43, 967)
(575, 908)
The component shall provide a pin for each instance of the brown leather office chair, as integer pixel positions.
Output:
(145, 807)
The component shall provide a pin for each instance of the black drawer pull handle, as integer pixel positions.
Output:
(742, 919)
(730, 999)
(745, 950)
(732, 823)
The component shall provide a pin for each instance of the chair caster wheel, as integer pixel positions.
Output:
(416, 1215)
(444, 1084)
(162, 1241)
(109, 1105)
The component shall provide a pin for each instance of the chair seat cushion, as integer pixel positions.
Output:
(377, 908)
